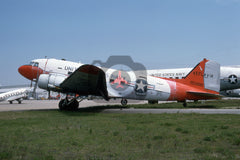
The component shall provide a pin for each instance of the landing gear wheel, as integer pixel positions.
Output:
(124, 102)
(74, 105)
(62, 105)
(66, 105)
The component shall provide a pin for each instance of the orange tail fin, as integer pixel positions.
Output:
(205, 75)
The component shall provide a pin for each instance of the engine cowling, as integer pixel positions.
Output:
(51, 81)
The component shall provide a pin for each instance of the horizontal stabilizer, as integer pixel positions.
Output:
(203, 94)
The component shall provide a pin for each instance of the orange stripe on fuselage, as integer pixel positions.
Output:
(178, 90)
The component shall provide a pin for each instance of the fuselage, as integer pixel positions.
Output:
(229, 75)
(158, 89)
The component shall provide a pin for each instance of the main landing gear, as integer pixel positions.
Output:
(66, 104)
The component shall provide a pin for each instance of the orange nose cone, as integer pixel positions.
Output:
(30, 72)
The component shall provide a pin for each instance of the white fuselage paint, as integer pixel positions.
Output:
(156, 88)
(56, 66)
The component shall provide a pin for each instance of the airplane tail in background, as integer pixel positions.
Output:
(206, 75)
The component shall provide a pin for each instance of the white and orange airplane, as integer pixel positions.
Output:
(229, 75)
(203, 82)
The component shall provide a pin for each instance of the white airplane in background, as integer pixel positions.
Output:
(231, 93)
(229, 75)
(15, 95)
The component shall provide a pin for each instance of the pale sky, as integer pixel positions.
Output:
(157, 33)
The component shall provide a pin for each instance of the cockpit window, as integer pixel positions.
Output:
(34, 64)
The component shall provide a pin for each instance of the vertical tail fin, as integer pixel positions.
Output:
(205, 75)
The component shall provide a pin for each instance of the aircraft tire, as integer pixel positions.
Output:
(124, 102)
(74, 105)
(61, 105)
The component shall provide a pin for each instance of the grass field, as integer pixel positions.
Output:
(98, 136)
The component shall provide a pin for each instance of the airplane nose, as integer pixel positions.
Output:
(30, 72)
(26, 71)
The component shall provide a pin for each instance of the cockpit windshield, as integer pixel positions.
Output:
(34, 64)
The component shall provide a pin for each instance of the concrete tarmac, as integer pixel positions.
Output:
(29, 105)
(53, 105)
(42, 105)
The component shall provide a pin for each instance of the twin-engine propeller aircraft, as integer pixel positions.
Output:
(15, 95)
(229, 75)
(203, 82)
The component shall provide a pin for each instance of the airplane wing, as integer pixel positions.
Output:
(203, 94)
(86, 80)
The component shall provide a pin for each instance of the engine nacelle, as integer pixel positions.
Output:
(51, 81)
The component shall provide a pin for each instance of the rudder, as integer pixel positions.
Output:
(205, 75)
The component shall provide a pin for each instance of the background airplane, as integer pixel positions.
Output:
(91, 80)
(231, 93)
(14, 95)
